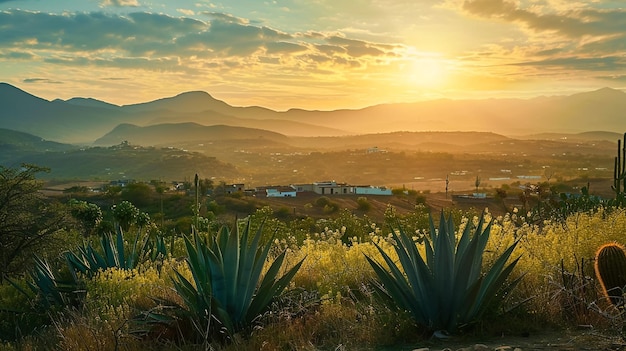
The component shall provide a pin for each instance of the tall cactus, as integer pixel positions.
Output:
(610, 267)
(619, 169)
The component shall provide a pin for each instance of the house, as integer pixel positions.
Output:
(372, 190)
(224, 189)
(332, 188)
(234, 188)
(302, 187)
(280, 191)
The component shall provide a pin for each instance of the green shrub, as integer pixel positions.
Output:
(363, 204)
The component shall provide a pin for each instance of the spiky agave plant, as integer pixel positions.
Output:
(228, 283)
(448, 289)
(113, 253)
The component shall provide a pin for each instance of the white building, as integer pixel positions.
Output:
(280, 192)
(371, 190)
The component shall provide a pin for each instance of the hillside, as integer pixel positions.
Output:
(121, 162)
(83, 120)
(164, 134)
(419, 160)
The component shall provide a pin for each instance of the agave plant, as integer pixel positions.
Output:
(48, 290)
(448, 289)
(228, 286)
(113, 253)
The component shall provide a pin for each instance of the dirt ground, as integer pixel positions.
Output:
(578, 340)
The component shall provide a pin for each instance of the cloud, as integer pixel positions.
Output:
(119, 3)
(614, 78)
(224, 17)
(41, 80)
(17, 55)
(186, 12)
(561, 36)
(574, 23)
(610, 63)
(223, 44)
(282, 47)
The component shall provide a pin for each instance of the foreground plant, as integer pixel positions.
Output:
(113, 253)
(227, 291)
(610, 268)
(448, 289)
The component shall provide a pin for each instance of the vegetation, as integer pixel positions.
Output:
(610, 267)
(226, 292)
(451, 288)
(338, 278)
(29, 223)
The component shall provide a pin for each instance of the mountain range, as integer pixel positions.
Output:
(88, 120)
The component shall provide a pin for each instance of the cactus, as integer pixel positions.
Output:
(610, 267)
(619, 169)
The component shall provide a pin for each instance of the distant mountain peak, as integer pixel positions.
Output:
(606, 93)
(7, 89)
(195, 93)
(90, 102)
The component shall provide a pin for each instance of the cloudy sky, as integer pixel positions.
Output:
(313, 54)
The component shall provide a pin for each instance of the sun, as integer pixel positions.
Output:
(426, 72)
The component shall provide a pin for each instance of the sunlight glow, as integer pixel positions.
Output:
(426, 72)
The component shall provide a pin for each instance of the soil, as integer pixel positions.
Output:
(554, 341)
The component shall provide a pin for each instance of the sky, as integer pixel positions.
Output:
(312, 54)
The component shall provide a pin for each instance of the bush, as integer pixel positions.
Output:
(363, 204)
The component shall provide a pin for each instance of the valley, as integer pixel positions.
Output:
(172, 139)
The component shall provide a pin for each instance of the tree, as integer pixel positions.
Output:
(88, 214)
(137, 193)
(125, 214)
(29, 222)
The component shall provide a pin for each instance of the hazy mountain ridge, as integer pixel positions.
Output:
(163, 134)
(83, 120)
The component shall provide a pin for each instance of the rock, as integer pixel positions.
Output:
(480, 347)
(503, 348)
(422, 349)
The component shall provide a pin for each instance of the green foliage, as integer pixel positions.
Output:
(363, 204)
(413, 221)
(115, 253)
(125, 214)
(139, 194)
(53, 291)
(559, 208)
(17, 319)
(610, 268)
(322, 201)
(227, 285)
(88, 214)
(44, 295)
(29, 223)
(398, 191)
(447, 290)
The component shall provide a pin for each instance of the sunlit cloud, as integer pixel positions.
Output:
(359, 52)
(119, 3)
(186, 12)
